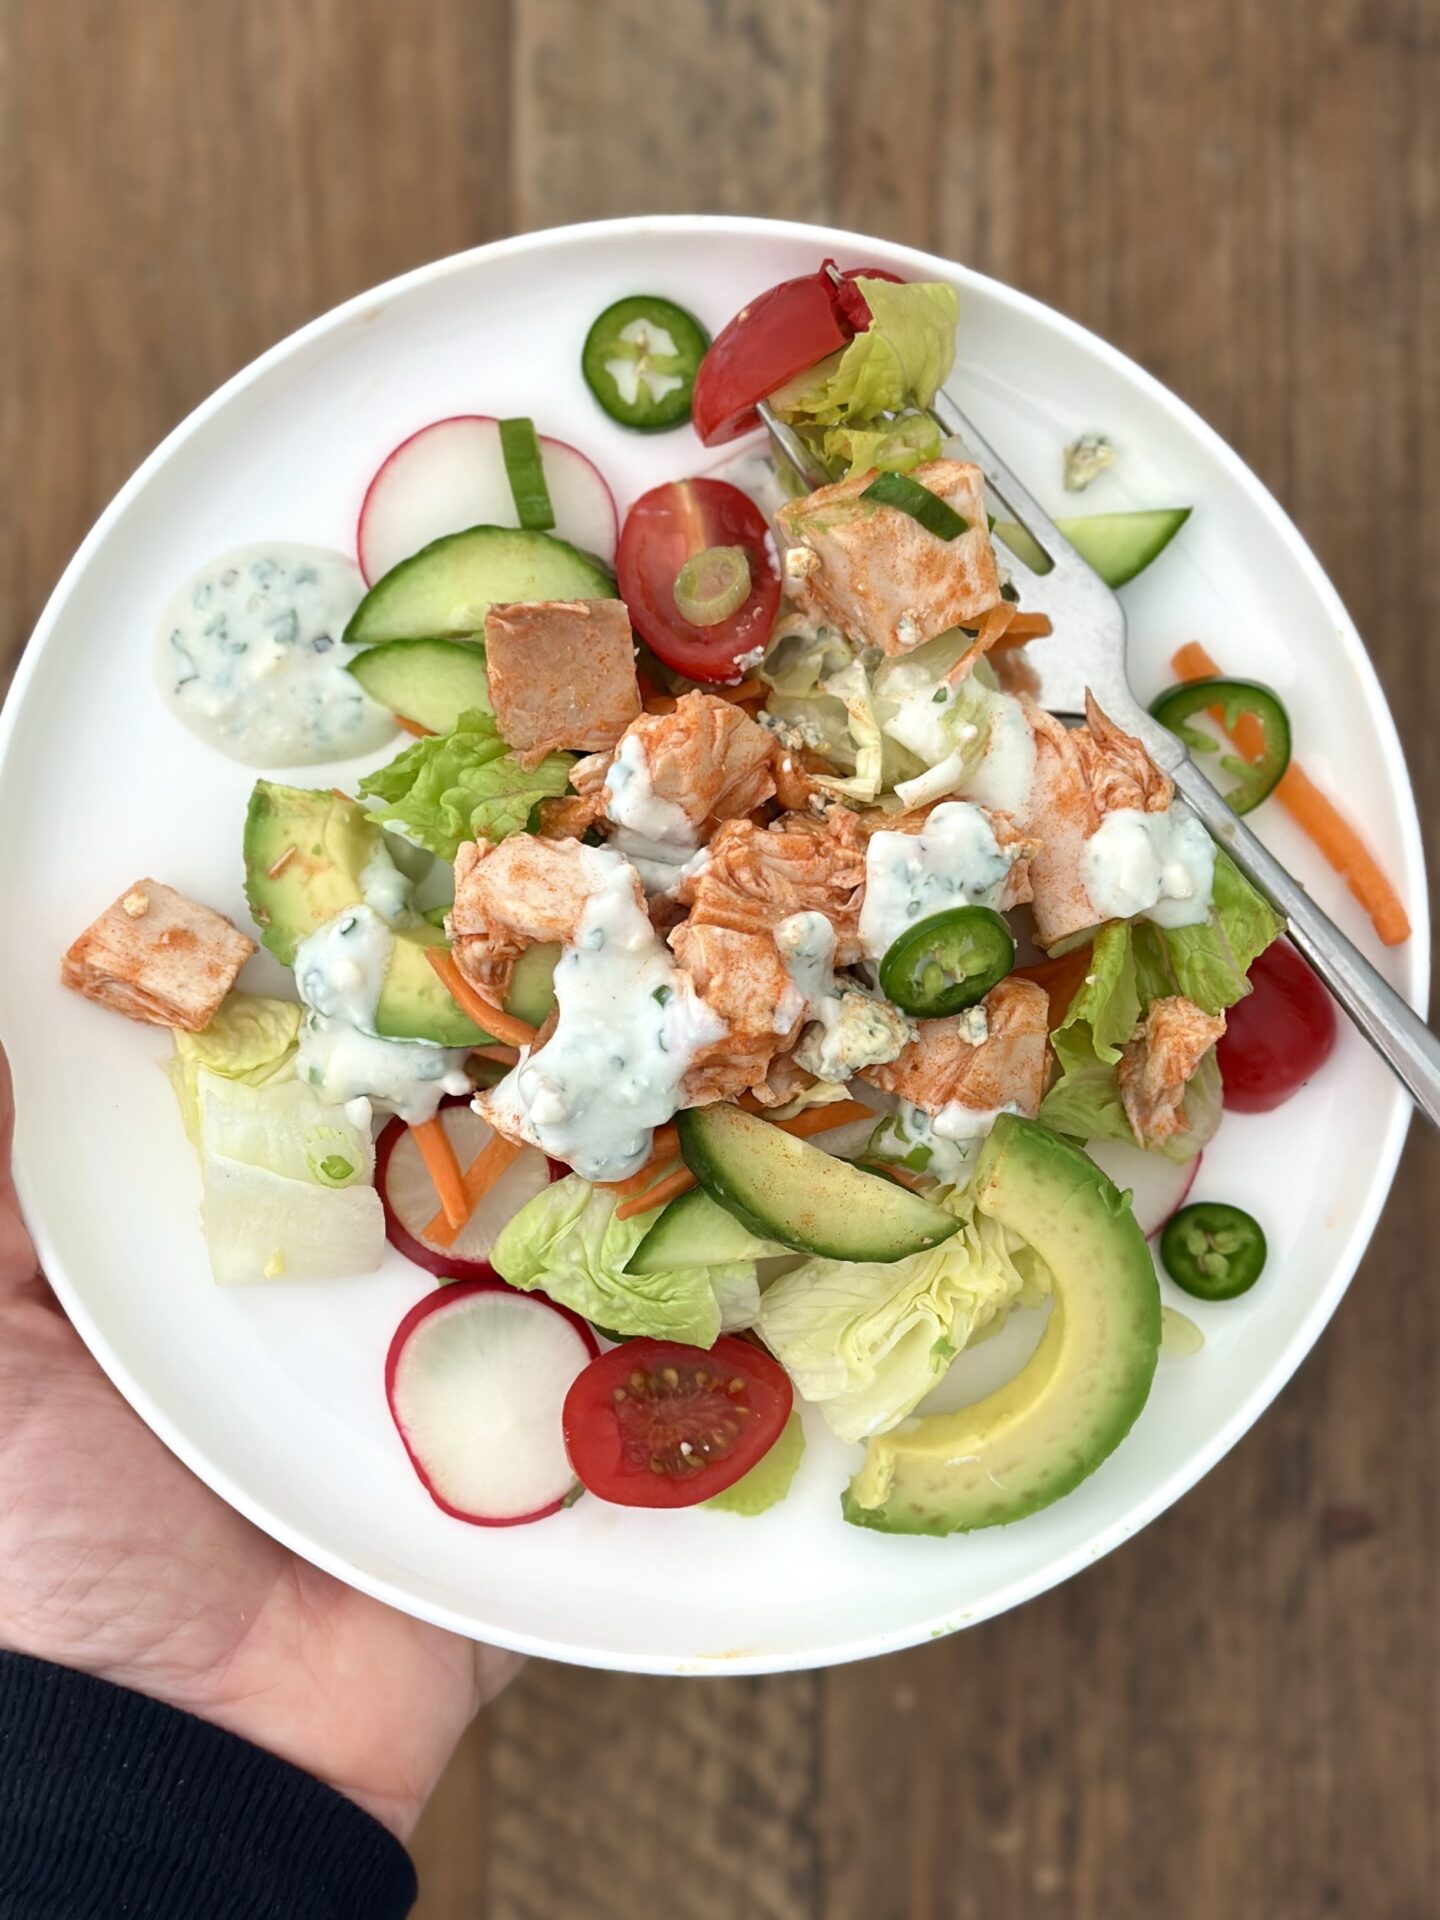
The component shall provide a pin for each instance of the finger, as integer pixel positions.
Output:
(18, 1263)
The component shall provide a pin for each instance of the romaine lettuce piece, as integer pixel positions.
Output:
(250, 1039)
(261, 1226)
(866, 1342)
(461, 785)
(893, 446)
(900, 361)
(768, 1481)
(285, 1128)
(568, 1242)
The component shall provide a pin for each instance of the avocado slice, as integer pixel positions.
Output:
(1039, 1436)
(305, 853)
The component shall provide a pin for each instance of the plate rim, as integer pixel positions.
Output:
(1416, 968)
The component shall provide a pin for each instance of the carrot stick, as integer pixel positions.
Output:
(503, 1056)
(661, 703)
(821, 1119)
(438, 1154)
(1315, 812)
(664, 1151)
(664, 1190)
(992, 628)
(414, 726)
(504, 1026)
(751, 689)
(480, 1176)
(1062, 979)
(1024, 626)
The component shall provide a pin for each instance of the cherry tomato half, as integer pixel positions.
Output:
(658, 1424)
(773, 337)
(662, 530)
(1279, 1035)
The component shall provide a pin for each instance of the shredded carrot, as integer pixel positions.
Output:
(504, 1026)
(438, 1154)
(480, 1176)
(661, 703)
(914, 1181)
(1023, 627)
(664, 1151)
(503, 1056)
(1061, 978)
(991, 630)
(821, 1119)
(414, 726)
(751, 689)
(662, 1192)
(1315, 812)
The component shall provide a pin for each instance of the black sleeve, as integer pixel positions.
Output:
(111, 1804)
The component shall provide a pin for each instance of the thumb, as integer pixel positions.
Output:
(18, 1262)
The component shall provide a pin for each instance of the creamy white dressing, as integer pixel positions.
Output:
(942, 1144)
(340, 970)
(630, 800)
(1155, 866)
(920, 704)
(629, 1024)
(849, 1028)
(1006, 773)
(385, 888)
(249, 655)
(660, 864)
(954, 861)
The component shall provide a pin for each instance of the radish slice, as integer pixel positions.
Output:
(476, 1377)
(1158, 1187)
(411, 1202)
(451, 475)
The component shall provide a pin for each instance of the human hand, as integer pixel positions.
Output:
(116, 1560)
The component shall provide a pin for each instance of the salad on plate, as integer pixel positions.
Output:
(737, 994)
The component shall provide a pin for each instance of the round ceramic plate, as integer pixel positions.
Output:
(274, 1394)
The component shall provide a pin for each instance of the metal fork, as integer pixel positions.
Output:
(1087, 650)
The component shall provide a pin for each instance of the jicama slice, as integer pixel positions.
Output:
(452, 475)
(411, 1203)
(476, 1378)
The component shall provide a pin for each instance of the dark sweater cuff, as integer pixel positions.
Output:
(111, 1803)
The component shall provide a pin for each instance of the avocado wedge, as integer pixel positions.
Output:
(1038, 1437)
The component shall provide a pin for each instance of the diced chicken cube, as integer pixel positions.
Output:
(1159, 1063)
(1007, 1068)
(742, 978)
(1081, 774)
(158, 957)
(758, 876)
(877, 574)
(509, 897)
(704, 763)
(562, 674)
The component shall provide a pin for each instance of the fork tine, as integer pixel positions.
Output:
(787, 442)
(1003, 482)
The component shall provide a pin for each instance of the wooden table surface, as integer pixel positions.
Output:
(1239, 1714)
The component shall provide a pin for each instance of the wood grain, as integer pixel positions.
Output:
(1240, 1713)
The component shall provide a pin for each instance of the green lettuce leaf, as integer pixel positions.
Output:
(1105, 1010)
(249, 1038)
(893, 446)
(900, 361)
(568, 1242)
(285, 1128)
(461, 785)
(1209, 963)
(768, 1481)
(866, 1342)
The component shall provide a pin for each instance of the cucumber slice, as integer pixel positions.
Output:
(446, 589)
(431, 682)
(1117, 545)
(784, 1189)
(694, 1231)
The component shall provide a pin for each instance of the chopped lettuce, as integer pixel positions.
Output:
(284, 1127)
(568, 1242)
(900, 361)
(893, 446)
(867, 1341)
(1133, 964)
(461, 785)
(768, 1481)
(250, 1039)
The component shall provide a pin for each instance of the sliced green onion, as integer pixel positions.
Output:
(524, 469)
(712, 585)
(937, 516)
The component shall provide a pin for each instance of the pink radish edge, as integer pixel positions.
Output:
(438, 1261)
(1158, 1187)
(547, 442)
(448, 1297)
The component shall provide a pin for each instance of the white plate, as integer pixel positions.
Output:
(274, 1395)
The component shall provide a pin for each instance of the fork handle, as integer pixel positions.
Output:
(1389, 1023)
